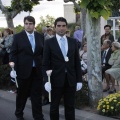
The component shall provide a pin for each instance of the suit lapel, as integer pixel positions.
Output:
(57, 48)
(35, 35)
(26, 39)
(108, 54)
(69, 46)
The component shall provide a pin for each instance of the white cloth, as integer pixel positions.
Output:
(83, 65)
(47, 86)
(79, 86)
(13, 74)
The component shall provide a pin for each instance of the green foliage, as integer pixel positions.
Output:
(21, 5)
(1, 28)
(110, 105)
(47, 21)
(39, 28)
(75, 9)
(82, 98)
(97, 8)
(71, 27)
(4, 76)
(18, 28)
(116, 4)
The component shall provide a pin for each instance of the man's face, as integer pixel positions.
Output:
(107, 30)
(29, 26)
(61, 28)
(50, 32)
(105, 45)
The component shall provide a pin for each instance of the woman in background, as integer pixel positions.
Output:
(6, 44)
(113, 73)
(83, 53)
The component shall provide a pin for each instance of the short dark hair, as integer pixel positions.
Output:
(30, 19)
(60, 19)
(107, 26)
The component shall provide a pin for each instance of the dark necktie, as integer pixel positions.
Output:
(103, 56)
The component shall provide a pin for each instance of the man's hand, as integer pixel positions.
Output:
(47, 86)
(13, 74)
(12, 64)
(79, 86)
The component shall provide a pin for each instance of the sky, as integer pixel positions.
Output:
(53, 8)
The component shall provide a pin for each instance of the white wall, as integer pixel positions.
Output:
(103, 23)
(69, 13)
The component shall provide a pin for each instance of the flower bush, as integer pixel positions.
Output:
(110, 105)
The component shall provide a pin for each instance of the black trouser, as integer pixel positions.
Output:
(5, 58)
(104, 68)
(68, 94)
(30, 87)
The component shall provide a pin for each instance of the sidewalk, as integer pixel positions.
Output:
(80, 114)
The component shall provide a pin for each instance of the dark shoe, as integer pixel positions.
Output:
(105, 90)
(112, 91)
(20, 118)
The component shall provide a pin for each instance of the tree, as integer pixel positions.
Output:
(81, 11)
(47, 21)
(95, 9)
(18, 28)
(16, 7)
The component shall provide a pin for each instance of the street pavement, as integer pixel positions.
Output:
(7, 108)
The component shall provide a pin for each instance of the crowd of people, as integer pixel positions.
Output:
(110, 59)
(32, 54)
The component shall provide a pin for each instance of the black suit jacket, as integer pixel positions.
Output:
(108, 55)
(53, 59)
(23, 56)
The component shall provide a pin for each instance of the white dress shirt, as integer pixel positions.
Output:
(33, 42)
(59, 42)
(104, 61)
(29, 38)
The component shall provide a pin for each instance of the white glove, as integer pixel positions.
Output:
(83, 65)
(79, 86)
(47, 86)
(13, 74)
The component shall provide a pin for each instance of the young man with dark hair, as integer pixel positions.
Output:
(61, 55)
(26, 55)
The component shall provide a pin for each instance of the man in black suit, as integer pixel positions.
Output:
(106, 53)
(26, 54)
(62, 57)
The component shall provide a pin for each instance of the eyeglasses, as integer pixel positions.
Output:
(28, 23)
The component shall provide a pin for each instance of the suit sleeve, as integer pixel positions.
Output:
(77, 64)
(46, 59)
(13, 51)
